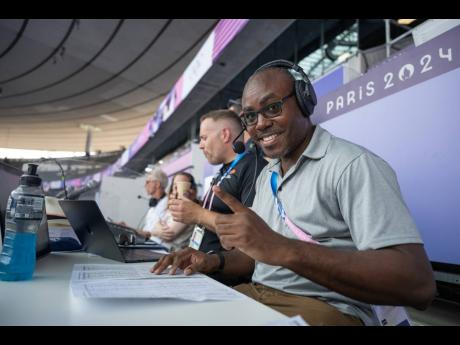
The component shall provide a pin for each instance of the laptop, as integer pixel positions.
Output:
(43, 244)
(97, 236)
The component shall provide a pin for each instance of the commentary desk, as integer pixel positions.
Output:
(48, 300)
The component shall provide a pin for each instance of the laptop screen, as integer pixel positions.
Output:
(96, 236)
(43, 239)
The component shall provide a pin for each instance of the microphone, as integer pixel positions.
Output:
(76, 193)
(152, 201)
(238, 147)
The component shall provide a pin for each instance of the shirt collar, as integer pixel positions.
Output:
(226, 165)
(316, 149)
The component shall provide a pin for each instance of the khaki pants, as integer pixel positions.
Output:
(312, 310)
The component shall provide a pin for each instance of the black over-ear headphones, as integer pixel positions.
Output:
(304, 92)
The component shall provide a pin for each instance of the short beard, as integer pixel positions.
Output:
(286, 152)
(277, 156)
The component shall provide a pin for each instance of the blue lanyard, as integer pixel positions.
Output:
(234, 163)
(274, 185)
(300, 234)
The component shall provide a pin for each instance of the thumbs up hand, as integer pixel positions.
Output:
(245, 230)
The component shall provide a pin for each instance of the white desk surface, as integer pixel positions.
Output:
(47, 300)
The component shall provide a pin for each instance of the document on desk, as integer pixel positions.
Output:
(97, 272)
(132, 281)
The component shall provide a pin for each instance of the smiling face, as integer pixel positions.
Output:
(280, 136)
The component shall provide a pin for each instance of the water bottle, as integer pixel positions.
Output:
(24, 214)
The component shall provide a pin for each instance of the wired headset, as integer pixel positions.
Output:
(239, 147)
(304, 92)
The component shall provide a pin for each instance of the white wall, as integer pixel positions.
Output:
(118, 200)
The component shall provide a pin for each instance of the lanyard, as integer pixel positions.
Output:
(274, 185)
(227, 172)
(301, 234)
(387, 315)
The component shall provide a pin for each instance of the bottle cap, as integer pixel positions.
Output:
(31, 178)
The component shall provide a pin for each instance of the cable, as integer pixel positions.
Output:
(62, 177)
(143, 217)
(62, 172)
(255, 175)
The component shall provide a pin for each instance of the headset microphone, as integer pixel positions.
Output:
(238, 147)
(152, 201)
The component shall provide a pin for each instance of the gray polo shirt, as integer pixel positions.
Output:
(346, 197)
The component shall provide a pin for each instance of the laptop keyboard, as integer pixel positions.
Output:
(118, 229)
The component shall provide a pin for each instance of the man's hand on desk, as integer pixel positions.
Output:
(189, 260)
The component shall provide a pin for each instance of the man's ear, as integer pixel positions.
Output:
(226, 135)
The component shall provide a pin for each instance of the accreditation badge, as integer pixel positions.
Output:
(391, 315)
(197, 237)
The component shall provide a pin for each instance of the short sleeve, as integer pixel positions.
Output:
(372, 206)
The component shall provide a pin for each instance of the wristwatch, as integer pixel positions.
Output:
(221, 257)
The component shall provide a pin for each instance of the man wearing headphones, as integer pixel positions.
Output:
(156, 183)
(328, 231)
